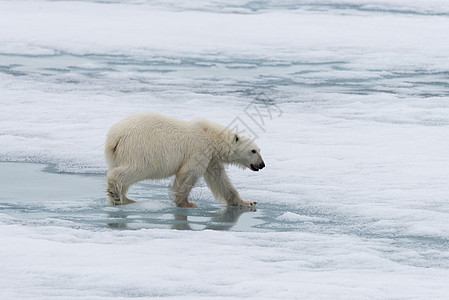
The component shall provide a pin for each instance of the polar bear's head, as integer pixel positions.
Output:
(246, 154)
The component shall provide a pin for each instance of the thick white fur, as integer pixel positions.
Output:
(151, 146)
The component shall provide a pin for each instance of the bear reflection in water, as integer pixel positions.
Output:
(224, 219)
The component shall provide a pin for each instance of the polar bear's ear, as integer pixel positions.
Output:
(236, 138)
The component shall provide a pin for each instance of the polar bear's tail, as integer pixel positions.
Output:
(110, 151)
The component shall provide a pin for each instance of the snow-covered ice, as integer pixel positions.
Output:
(348, 100)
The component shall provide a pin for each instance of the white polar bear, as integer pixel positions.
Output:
(151, 146)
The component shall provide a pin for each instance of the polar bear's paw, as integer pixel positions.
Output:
(191, 205)
(119, 202)
(184, 203)
(247, 204)
(128, 201)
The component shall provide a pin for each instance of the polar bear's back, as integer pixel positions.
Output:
(153, 143)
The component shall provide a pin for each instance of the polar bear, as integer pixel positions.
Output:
(152, 146)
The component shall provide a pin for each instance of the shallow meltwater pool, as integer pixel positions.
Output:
(35, 195)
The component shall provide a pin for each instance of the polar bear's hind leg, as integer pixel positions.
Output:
(119, 180)
(184, 182)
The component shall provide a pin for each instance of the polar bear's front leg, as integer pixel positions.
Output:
(222, 188)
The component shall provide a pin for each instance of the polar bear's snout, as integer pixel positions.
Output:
(257, 167)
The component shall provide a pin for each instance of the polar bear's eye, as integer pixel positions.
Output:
(253, 151)
(236, 138)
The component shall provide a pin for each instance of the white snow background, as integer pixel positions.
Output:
(354, 129)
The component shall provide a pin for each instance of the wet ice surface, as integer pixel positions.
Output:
(348, 101)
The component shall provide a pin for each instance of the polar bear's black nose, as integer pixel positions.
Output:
(262, 165)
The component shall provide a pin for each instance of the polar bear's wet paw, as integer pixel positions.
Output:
(248, 203)
(128, 201)
(184, 203)
(192, 205)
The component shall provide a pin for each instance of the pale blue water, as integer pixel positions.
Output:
(78, 201)
(211, 74)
